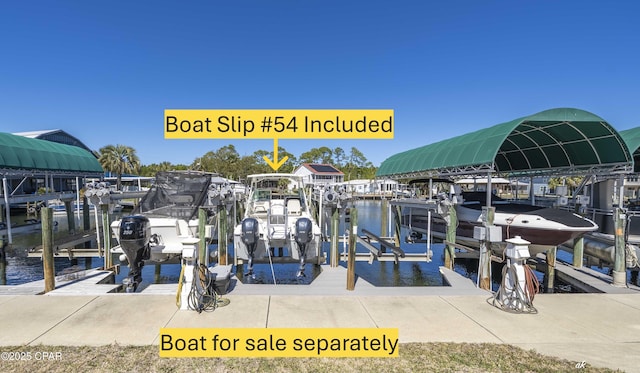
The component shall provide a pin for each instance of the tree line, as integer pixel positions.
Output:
(225, 161)
(228, 163)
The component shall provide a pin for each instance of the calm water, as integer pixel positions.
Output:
(21, 269)
(378, 273)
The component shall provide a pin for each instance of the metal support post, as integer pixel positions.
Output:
(335, 224)
(619, 266)
(351, 262)
(108, 260)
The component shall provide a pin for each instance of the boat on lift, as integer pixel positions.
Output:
(544, 227)
(277, 223)
(166, 218)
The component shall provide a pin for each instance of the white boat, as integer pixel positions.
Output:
(277, 217)
(166, 217)
(543, 227)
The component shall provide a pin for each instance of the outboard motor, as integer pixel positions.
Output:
(249, 237)
(135, 234)
(303, 236)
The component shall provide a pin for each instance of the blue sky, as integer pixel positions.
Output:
(105, 71)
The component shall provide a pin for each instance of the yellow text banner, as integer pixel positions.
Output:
(282, 124)
(279, 342)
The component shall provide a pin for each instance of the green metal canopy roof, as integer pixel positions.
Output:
(632, 139)
(23, 153)
(564, 141)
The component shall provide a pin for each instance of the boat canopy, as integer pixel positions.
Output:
(632, 139)
(175, 194)
(23, 153)
(559, 141)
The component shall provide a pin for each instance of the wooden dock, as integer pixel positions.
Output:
(67, 246)
(333, 281)
(586, 279)
(87, 282)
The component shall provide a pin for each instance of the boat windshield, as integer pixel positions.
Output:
(262, 195)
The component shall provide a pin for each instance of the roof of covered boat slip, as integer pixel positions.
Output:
(24, 153)
(632, 139)
(563, 141)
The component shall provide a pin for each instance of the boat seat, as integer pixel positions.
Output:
(183, 228)
(259, 210)
(260, 207)
(277, 221)
(293, 206)
(277, 215)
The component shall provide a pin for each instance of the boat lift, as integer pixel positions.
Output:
(377, 245)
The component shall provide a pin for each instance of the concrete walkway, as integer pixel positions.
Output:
(600, 329)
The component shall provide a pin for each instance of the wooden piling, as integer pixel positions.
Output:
(619, 265)
(314, 209)
(484, 274)
(71, 221)
(156, 274)
(351, 260)
(47, 249)
(550, 273)
(450, 250)
(397, 225)
(3, 262)
(202, 245)
(384, 221)
(86, 218)
(239, 212)
(222, 236)
(578, 252)
(335, 227)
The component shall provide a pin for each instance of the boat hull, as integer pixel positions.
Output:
(543, 227)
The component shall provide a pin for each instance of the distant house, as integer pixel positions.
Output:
(319, 174)
(360, 186)
(377, 186)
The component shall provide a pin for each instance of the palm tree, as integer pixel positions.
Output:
(119, 159)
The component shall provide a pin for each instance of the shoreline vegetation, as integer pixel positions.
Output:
(413, 357)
